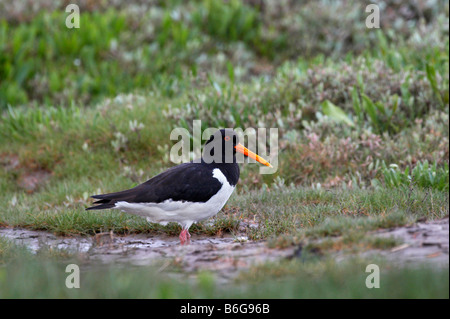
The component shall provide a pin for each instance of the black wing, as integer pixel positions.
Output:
(191, 182)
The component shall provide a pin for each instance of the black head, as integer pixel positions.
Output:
(221, 147)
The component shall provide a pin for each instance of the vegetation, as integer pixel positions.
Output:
(362, 116)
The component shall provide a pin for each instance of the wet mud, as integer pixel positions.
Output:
(226, 256)
(422, 242)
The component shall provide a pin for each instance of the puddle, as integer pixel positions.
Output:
(421, 242)
(225, 256)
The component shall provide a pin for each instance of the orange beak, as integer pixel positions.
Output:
(241, 149)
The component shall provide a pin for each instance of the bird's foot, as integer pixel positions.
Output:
(185, 237)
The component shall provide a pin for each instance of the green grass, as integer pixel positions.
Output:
(362, 117)
(304, 213)
(298, 213)
(423, 175)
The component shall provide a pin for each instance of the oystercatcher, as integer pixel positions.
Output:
(189, 192)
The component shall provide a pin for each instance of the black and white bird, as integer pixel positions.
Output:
(189, 192)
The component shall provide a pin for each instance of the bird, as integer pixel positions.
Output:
(189, 192)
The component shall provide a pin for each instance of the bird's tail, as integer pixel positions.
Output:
(102, 203)
(105, 201)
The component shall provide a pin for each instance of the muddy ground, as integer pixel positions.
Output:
(421, 242)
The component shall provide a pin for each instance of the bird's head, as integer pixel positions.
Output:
(223, 145)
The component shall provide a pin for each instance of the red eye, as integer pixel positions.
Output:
(226, 138)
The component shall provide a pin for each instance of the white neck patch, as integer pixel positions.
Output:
(217, 173)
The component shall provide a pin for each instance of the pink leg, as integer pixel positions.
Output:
(185, 237)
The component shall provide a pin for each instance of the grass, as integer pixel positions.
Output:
(362, 117)
(304, 213)
(296, 212)
(422, 174)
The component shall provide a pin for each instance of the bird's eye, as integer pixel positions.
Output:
(226, 138)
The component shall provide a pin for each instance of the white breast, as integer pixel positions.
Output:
(184, 213)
